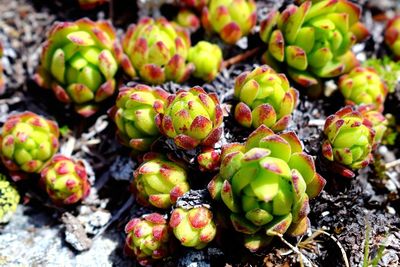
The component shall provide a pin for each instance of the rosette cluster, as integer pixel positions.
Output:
(312, 40)
(266, 184)
(79, 62)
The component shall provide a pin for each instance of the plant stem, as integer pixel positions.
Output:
(239, 58)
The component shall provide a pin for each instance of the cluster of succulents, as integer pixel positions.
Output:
(264, 183)
(312, 40)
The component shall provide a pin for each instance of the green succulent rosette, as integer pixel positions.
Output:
(159, 182)
(65, 180)
(376, 121)
(392, 36)
(192, 118)
(157, 51)
(265, 98)
(231, 19)
(349, 139)
(147, 238)
(9, 199)
(193, 227)
(187, 19)
(134, 114)
(79, 62)
(27, 142)
(363, 86)
(312, 40)
(207, 60)
(266, 184)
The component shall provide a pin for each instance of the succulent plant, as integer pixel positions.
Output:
(377, 121)
(9, 199)
(134, 115)
(159, 182)
(349, 139)
(392, 36)
(187, 19)
(209, 160)
(89, 4)
(265, 98)
(2, 82)
(157, 51)
(79, 62)
(27, 142)
(65, 180)
(363, 86)
(231, 19)
(147, 238)
(191, 118)
(312, 40)
(198, 4)
(266, 184)
(193, 227)
(207, 60)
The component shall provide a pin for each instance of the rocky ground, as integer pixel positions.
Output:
(91, 234)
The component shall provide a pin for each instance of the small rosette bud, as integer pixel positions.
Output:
(79, 62)
(265, 98)
(65, 180)
(392, 36)
(147, 238)
(9, 199)
(312, 40)
(159, 182)
(192, 118)
(187, 19)
(209, 160)
(349, 139)
(90, 4)
(193, 227)
(197, 4)
(363, 86)
(231, 19)
(266, 184)
(157, 51)
(207, 60)
(377, 121)
(134, 115)
(27, 142)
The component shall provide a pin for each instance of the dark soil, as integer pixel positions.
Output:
(92, 234)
